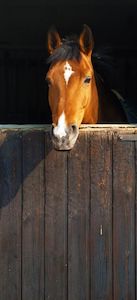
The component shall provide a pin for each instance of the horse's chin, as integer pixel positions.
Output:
(64, 144)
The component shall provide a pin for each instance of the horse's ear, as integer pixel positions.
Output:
(54, 40)
(86, 40)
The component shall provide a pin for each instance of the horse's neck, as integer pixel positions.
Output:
(110, 108)
(91, 115)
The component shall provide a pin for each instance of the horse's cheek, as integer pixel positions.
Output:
(52, 99)
(85, 101)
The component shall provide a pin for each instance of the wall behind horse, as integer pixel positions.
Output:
(26, 22)
(23, 90)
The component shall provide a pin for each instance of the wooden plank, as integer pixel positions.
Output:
(135, 219)
(124, 219)
(129, 129)
(33, 216)
(78, 220)
(101, 215)
(55, 223)
(128, 137)
(109, 126)
(10, 216)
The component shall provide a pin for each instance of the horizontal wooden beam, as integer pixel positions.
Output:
(47, 127)
(128, 137)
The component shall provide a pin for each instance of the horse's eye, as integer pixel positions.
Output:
(87, 80)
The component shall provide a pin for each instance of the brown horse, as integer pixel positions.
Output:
(76, 94)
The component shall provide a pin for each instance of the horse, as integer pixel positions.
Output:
(76, 92)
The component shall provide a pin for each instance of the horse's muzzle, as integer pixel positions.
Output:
(67, 141)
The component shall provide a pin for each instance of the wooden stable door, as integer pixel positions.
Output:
(68, 219)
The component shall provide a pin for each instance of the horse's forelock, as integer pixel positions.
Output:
(69, 50)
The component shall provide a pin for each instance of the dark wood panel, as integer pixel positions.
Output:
(33, 216)
(78, 220)
(136, 219)
(101, 215)
(68, 218)
(55, 223)
(10, 216)
(124, 219)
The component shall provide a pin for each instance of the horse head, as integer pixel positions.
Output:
(73, 96)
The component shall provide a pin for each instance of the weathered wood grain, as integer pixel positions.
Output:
(33, 216)
(10, 216)
(123, 219)
(101, 215)
(55, 223)
(68, 218)
(78, 220)
(135, 219)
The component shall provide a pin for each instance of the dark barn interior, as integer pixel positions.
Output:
(23, 30)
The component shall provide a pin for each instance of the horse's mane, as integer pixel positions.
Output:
(103, 62)
(68, 50)
(102, 58)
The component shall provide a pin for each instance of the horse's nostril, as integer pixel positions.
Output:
(56, 138)
(74, 128)
(52, 128)
(63, 140)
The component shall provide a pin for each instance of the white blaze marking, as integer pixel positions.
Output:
(67, 72)
(59, 130)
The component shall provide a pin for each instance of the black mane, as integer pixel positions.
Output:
(104, 66)
(68, 50)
